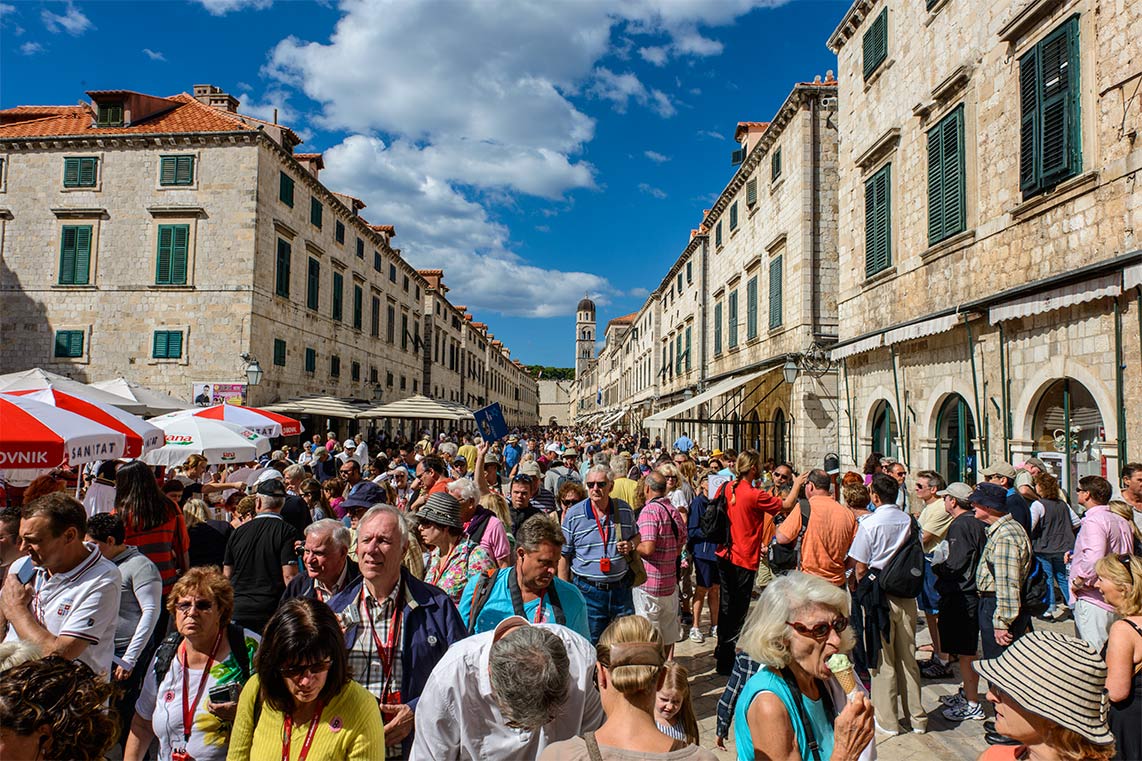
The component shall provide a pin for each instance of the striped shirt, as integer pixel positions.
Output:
(164, 545)
(364, 659)
(585, 547)
(1003, 565)
(661, 565)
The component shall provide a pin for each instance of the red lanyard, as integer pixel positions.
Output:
(539, 609)
(287, 731)
(604, 535)
(442, 564)
(189, 708)
(387, 652)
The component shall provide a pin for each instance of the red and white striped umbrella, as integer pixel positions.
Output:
(141, 435)
(38, 436)
(262, 422)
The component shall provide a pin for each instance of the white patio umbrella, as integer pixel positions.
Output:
(38, 436)
(217, 441)
(37, 378)
(156, 402)
(259, 421)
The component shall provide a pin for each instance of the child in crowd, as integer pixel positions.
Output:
(673, 710)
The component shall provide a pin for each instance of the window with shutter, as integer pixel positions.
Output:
(176, 170)
(775, 165)
(279, 352)
(689, 272)
(166, 344)
(718, 234)
(679, 283)
(878, 222)
(378, 263)
(946, 182)
(732, 338)
(109, 115)
(339, 236)
(390, 326)
(687, 348)
(69, 344)
(1050, 148)
(360, 249)
(733, 216)
(281, 279)
(375, 318)
(718, 328)
(678, 352)
(80, 172)
(171, 265)
(358, 306)
(310, 360)
(404, 332)
(338, 310)
(751, 309)
(285, 189)
(875, 44)
(392, 273)
(315, 210)
(355, 371)
(335, 366)
(313, 285)
(751, 192)
(75, 255)
(775, 278)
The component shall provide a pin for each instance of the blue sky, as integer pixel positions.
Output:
(534, 151)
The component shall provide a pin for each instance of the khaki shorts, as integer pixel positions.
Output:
(764, 575)
(662, 612)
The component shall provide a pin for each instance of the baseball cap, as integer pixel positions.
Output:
(1037, 463)
(491, 458)
(957, 489)
(271, 487)
(365, 495)
(1000, 469)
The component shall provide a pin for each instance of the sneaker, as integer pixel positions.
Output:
(713, 631)
(1062, 613)
(933, 669)
(886, 732)
(955, 699)
(696, 635)
(964, 712)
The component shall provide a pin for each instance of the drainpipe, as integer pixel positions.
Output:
(1005, 394)
(849, 410)
(980, 412)
(901, 414)
(815, 222)
(702, 366)
(1120, 409)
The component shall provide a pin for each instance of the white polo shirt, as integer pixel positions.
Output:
(880, 535)
(82, 603)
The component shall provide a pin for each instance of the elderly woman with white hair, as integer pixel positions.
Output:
(481, 526)
(804, 702)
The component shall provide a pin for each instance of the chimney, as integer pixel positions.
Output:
(311, 162)
(215, 98)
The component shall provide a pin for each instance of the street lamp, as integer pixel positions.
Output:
(253, 370)
(790, 371)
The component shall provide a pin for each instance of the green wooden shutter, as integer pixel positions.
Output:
(174, 344)
(313, 285)
(159, 344)
(75, 255)
(279, 352)
(875, 44)
(775, 164)
(67, 256)
(87, 171)
(70, 173)
(315, 212)
(751, 309)
(163, 259)
(339, 231)
(179, 254)
(718, 234)
(946, 201)
(184, 170)
(733, 319)
(281, 282)
(338, 288)
(877, 222)
(1028, 120)
(751, 192)
(167, 170)
(285, 189)
(1059, 79)
(310, 360)
(687, 348)
(358, 306)
(718, 328)
(734, 216)
(775, 282)
(69, 344)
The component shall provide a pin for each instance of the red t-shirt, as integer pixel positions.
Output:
(163, 544)
(751, 514)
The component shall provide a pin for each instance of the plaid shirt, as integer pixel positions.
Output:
(1003, 565)
(744, 668)
(364, 660)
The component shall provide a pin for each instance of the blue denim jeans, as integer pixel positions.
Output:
(604, 606)
(1056, 571)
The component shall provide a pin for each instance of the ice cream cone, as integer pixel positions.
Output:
(847, 679)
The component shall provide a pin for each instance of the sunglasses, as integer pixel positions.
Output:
(596, 484)
(522, 478)
(292, 672)
(201, 606)
(1125, 560)
(568, 502)
(820, 632)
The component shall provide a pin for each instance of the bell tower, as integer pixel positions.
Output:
(584, 334)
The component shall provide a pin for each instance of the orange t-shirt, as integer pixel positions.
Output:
(440, 485)
(825, 546)
(1003, 753)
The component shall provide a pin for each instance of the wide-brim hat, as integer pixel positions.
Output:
(1058, 677)
(442, 509)
(991, 496)
(491, 458)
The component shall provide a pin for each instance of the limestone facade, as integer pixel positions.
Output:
(983, 339)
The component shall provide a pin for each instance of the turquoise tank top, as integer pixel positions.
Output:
(766, 680)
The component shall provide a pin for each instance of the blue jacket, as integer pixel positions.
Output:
(697, 543)
(429, 629)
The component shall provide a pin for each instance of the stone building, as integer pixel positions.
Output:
(163, 238)
(989, 259)
(554, 401)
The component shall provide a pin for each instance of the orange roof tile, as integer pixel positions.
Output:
(185, 115)
(392, 231)
(744, 127)
(431, 272)
(626, 318)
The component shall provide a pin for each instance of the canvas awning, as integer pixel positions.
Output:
(322, 406)
(419, 407)
(921, 329)
(1132, 277)
(658, 420)
(1057, 298)
(858, 347)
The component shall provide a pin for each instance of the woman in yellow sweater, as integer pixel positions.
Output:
(302, 703)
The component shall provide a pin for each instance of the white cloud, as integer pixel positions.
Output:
(72, 21)
(154, 55)
(656, 157)
(711, 134)
(638, 293)
(222, 7)
(620, 89)
(31, 48)
(652, 191)
(654, 54)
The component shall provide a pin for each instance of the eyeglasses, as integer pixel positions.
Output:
(293, 672)
(820, 632)
(568, 502)
(347, 471)
(596, 484)
(672, 478)
(202, 606)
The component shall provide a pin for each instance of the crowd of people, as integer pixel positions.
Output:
(452, 598)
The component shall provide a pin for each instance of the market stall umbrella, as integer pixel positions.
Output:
(141, 435)
(38, 436)
(36, 378)
(217, 441)
(156, 402)
(257, 420)
(321, 406)
(419, 407)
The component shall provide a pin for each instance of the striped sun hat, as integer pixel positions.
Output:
(1060, 678)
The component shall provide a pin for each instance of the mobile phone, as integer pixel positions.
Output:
(27, 573)
(225, 693)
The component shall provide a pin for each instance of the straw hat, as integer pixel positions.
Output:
(1057, 677)
(442, 509)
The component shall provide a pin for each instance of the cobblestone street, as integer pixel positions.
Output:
(943, 740)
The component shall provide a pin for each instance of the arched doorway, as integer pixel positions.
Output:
(955, 441)
(780, 453)
(1068, 405)
(885, 434)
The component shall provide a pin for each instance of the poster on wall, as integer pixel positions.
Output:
(209, 394)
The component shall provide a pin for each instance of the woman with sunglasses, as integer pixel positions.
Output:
(570, 494)
(181, 709)
(1120, 581)
(303, 703)
(794, 707)
(315, 499)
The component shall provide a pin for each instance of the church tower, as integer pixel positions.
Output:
(584, 334)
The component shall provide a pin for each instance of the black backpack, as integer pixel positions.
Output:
(483, 592)
(784, 558)
(903, 574)
(235, 637)
(715, 521)
(1033, 592)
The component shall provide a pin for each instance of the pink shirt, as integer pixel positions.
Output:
(1101, 533)
(661, 565)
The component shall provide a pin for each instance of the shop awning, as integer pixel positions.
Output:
(419, 407)
(921, 329)
(1132, 277)
(613, 417)
(858, 347)
(1057, 298)
(322, 406)
(658, 420)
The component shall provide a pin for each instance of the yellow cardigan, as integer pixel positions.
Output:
(350, 729)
